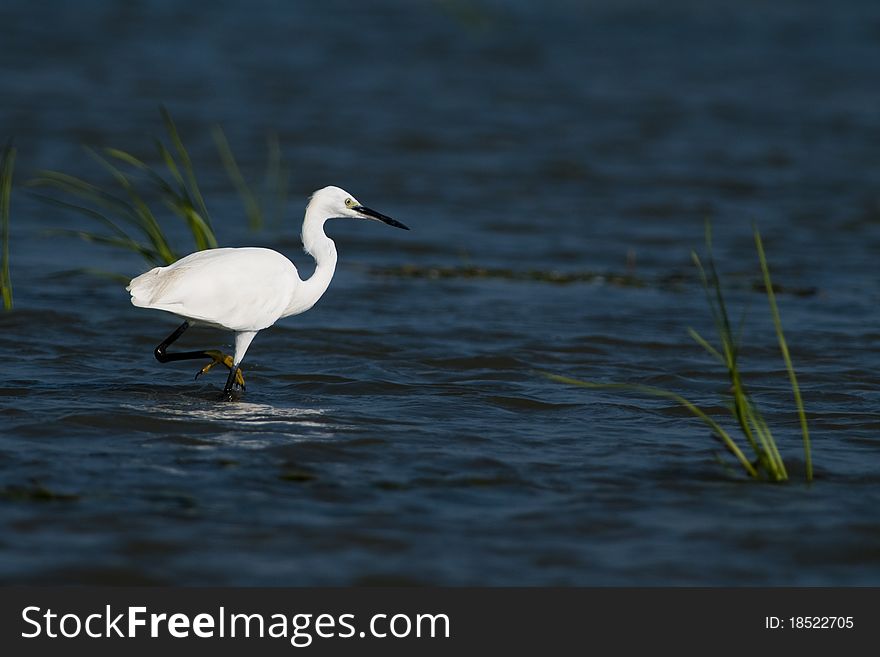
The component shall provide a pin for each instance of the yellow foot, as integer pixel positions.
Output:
(219, 358)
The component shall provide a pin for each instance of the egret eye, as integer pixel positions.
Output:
(349, 202)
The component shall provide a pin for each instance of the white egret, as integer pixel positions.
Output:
(246, 290)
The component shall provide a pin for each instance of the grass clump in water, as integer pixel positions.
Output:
(767, 461)
(7, 162)
(536, 275)
(125, 210)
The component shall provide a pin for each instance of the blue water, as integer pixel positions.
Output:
(400, 431)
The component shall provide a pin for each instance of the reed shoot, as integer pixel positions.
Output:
(756, 434)
(271, 200)
(125, 211)
(783, 347)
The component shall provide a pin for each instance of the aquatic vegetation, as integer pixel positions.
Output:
(767, 460)
(127, 211)
(35, 492)
(274, 193)
(7, 162)
(786, 356)
(672, 280)
(538, 275)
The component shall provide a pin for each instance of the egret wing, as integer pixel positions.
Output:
(244, 289)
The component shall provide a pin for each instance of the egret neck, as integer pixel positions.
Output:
(323, 250)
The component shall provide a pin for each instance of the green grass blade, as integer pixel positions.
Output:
(188, 201)
(277, 177)
(186, 165)
(754, 427)
(720, 311)
(775, 465)
(251, 204)
(170, 164)
(84, 190)
(126, 157)
(202, 234)
(741, 414)
(179, 199)
(700, 340)
(127, 213)
(765, 449)
(712, 300)
(113, 205)
(120, 279)
(660, 392)
(88, 212)
(129, 244)
(7, 164)
(786, 356)
(145, 218)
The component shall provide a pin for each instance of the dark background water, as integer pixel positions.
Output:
(398, 432)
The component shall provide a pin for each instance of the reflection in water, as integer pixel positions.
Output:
(240, 412)
(239, 423)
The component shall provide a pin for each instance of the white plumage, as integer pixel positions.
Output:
(197, 287)
(248, 289)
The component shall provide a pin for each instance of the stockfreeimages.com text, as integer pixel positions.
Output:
(301, 629)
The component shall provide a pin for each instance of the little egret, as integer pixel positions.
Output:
(245, 290)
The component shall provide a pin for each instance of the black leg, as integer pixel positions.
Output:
(160, 354)
(163, 356)
(230, 384)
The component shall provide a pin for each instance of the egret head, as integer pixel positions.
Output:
(337, 203)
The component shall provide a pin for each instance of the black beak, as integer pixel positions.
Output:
(378, 216)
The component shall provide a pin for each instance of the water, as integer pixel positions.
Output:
(398, 432)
